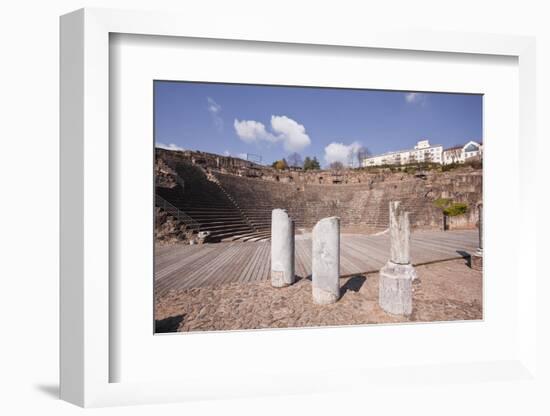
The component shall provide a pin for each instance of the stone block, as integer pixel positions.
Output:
(326, 261)
(476, 261)
(282, 249)
(400, 234)
(395, 288)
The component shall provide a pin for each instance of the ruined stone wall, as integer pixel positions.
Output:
(164, 174)
(212, 161)
(362, 202)
(320, 177)
(356, 196)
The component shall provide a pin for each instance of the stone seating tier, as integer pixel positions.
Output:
(365, 204)
(236, 207)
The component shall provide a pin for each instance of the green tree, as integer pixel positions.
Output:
(280, 164)
(315, 163)
(450, 208)
(311, 164)
(456, 208)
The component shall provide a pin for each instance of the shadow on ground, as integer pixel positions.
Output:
(354, 283)
(299, 278)
(466, 256)
(170, 324)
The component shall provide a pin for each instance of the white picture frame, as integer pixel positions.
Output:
(86, 356)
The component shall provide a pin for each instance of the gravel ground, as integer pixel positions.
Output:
(444, 291)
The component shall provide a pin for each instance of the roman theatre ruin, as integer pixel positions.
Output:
(213, 216)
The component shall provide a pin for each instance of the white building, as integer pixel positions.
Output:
(422, 152)
(460, 154)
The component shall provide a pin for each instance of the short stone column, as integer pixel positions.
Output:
(397, 275)
(325, 268)
(476, 259)
(282, 249)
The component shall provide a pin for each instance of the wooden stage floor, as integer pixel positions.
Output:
(188, 266)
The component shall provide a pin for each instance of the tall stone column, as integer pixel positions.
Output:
(476, 259)
(282, 249)
(400, 234)
(397, 275)
(325, 272)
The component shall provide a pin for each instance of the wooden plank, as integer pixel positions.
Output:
(188, 265)
(182, 258)
(181, 266)
(307, 257)
(232, 266)
(266, 268)
(234, 272)
(300, 268)
(214, 273)
(181, 278)
(257, 272)
(356, 258)
(246, 275)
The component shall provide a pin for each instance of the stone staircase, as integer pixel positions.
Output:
(259, 217)
(257, 198)
(208, 205)
(238, 208)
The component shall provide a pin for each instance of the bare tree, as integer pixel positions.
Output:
(351, 158)
(362, 153)
(337, 165)
(454, 153)
(295, 160)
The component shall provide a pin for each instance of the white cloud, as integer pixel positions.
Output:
(285, 130)
(415, 98)
(250, 131)
(340, 152)
(213, 106)
(227, 153)
(410, 97)
(215, 109)
(292, 134)
(170, 146)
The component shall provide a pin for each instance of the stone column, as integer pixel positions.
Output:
(325, 268)
(476, 259)
(282, 249)
(480, 226)
(397, 275)
(400, 234)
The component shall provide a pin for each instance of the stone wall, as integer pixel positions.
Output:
(164, 174)
(208, 161)
(362, 202)
(168, 230)
(358, 197)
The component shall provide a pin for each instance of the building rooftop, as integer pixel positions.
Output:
(393, 152)
(454, 148)
(460, 146)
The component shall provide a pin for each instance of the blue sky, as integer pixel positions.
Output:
(324, 122)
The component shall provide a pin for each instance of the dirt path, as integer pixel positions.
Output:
(444, 291)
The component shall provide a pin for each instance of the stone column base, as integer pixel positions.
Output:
(476, 261)
(323, 297)
(395, 288)
(278, 279)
